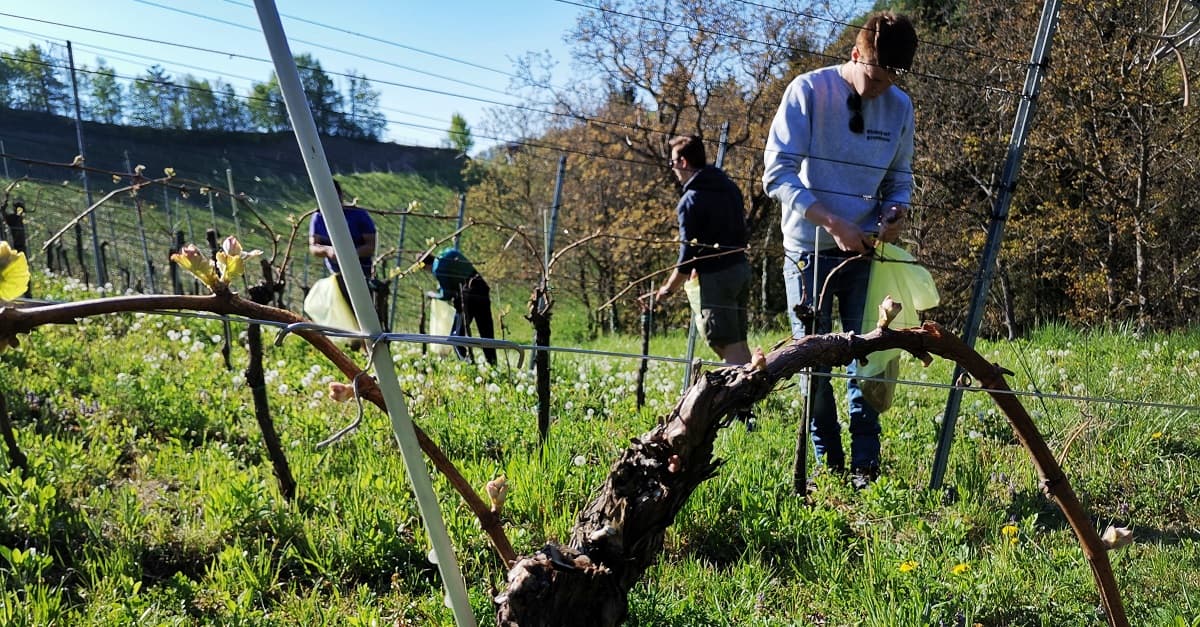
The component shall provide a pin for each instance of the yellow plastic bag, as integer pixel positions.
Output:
(691, 287)
(325, 305)
(894, 273)
(441, 321)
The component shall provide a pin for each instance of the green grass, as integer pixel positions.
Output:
(150, 499)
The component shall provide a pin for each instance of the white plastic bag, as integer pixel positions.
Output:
(325, 305)
(691, 287)
(441, 321)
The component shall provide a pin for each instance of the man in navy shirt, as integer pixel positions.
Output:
(362, 231)
(713, 238)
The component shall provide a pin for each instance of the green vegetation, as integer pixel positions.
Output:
(282, 201)
(149, 499)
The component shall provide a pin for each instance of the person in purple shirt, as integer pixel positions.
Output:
(362, 231)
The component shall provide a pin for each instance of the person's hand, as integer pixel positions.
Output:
(892, 223)
(848, 236)
(652, 297)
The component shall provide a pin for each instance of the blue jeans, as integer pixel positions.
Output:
(848, 285)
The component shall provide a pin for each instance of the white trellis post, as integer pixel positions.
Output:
(356, 284)
(1038, 61)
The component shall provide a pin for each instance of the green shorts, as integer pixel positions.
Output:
(724, 296)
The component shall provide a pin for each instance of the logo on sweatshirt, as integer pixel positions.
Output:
(876, 135)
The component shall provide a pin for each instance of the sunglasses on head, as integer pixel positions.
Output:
(854, 103)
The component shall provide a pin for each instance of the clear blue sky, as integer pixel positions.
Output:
(396, 35)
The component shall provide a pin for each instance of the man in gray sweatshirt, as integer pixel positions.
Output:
(838, 158)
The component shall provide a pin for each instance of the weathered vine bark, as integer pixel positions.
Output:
(539, 317)
(620, 533)
(15, 456)
(256, 380)
(14, 322)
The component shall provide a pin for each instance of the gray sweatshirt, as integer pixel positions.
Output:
(811, 155)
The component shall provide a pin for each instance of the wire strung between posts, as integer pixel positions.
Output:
(474, 342)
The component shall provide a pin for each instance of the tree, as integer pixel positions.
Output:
(154, 100)
(664, 69)
(35, 82)
(266, 108)
(200, 105)
(459, 134)
(7, 75)
(268, 111)
(1101, 217)
(323, 97)
(106, 94)
(363, 119)
(232, 112)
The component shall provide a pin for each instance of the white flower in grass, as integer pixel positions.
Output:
(238, 380)
(283, 389)
(216, 339)
(580, 460)
(122, 377)
(492, 388)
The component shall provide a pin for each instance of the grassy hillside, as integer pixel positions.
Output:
(267, 168)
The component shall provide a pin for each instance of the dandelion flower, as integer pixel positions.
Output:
(960, 568)
(1009, 531)
(1157, 435)
(908, 566)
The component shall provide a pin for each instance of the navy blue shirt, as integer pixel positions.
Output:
(360, 224)
(712, 213)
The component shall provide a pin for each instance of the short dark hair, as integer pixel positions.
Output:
(690, 147)
(889, 40)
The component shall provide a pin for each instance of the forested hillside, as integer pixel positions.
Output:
(1103, 225)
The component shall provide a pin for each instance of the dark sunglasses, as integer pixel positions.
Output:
(854, 103)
